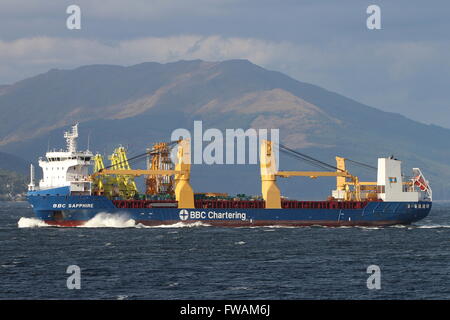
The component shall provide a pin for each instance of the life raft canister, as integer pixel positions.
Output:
(420, 182)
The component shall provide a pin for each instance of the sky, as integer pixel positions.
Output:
(403, 67)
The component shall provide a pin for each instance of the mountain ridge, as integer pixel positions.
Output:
(138, 104)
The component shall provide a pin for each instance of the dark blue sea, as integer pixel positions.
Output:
(119, 260)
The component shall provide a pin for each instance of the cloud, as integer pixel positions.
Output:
(42, 53)
(399, 59)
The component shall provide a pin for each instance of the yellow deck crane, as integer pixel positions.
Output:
(269, 173)
(114, 185)
(184, 193)
(125, 182)
(102, 185)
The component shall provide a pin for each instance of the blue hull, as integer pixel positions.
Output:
(72, 210)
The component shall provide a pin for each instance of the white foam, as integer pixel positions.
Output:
(369, 228)
(433, 226)
(176, 225)
(238, 288)
(274, 226)
(31, 223)
(429, 226)
(108, 220)
(173, 284)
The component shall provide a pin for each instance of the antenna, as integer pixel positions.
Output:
(88, 140)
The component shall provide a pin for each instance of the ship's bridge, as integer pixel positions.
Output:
(67, 168)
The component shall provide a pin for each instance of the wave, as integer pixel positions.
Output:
(176, 225)
(271, 227)
(31, 223)
(432, 226)
(426, 226)
(108, 220)
(369, 228)
(100, 220)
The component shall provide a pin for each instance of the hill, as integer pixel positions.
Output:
(137, 105)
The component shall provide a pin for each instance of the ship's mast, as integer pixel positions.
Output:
(71, 138)
(31, 185)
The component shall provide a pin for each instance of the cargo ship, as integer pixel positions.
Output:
(76, 186)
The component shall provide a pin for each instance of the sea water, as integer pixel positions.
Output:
(121, 259)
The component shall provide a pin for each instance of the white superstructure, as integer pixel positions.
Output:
(392, 187)
(66, 168)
